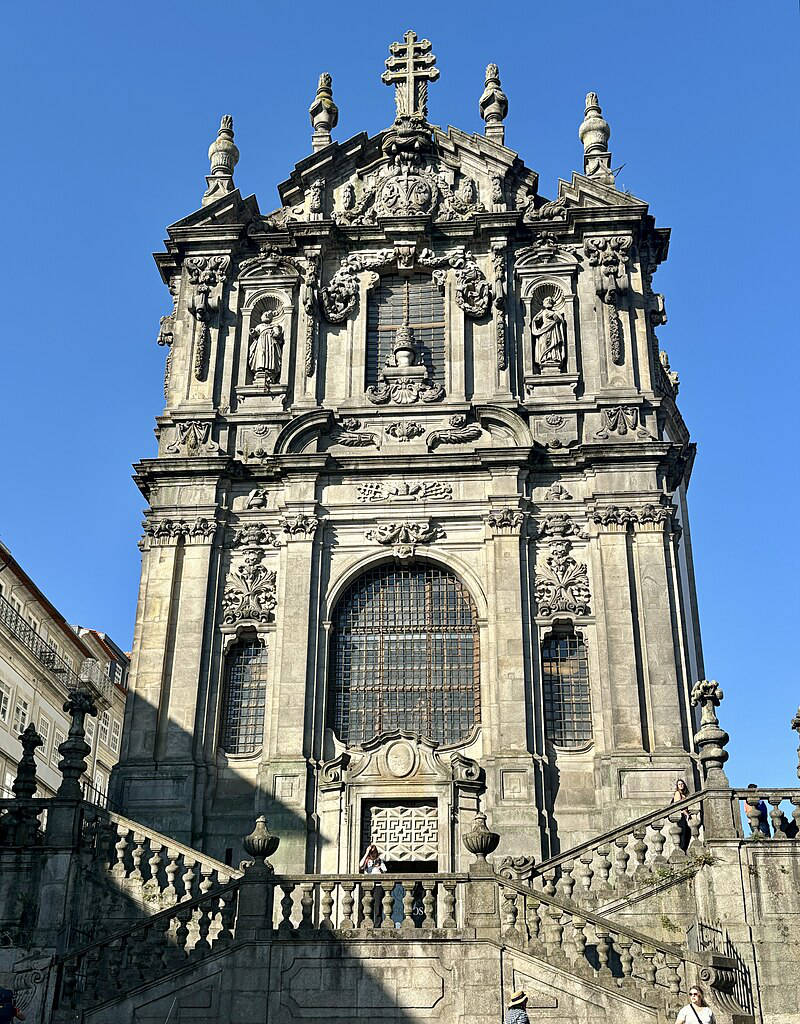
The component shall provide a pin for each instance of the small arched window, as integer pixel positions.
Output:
(405, 656)
(244, 699)
(412, 299)
(565, 682)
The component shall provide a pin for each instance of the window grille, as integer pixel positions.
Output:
(245, 699)
(411, 299)
(567, 702)
(405, 656)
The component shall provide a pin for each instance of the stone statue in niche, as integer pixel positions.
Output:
(549, 331)
(266, 349)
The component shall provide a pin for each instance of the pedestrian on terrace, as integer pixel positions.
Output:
(696, 1010)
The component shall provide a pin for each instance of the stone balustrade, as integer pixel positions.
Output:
(782, 818)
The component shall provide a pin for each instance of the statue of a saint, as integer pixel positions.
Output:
(549, 330)
(266, 350)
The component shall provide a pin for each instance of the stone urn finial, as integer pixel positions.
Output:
(493, 105)
(594, 133)
(480, 842)
(404, 349)
(796, 727)
(223, 154)
(710, 738)
(323, 112)
(261, 843)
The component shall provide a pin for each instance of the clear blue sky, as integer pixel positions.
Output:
(110, 109)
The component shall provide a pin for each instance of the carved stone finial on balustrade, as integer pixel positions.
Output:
(323, 112)
(74, 750)
(24, 784)
(224, 156)
(480, 842)
(796, 727)
(710, 738)
(493, 106)
(594, 133)
(260, 844)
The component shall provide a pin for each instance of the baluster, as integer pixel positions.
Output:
(626, 957)
(367, 905)
(429, 904)
(603, 865)
(649, 966)
(603, 948)
(566, 883)
(657, 841)
(776, 817)
(753, 816)
(306, 907)
(621, 858)
(92, 970)
(114, 966)
(346, 924)
(586, 879)
(579, 938)
(556, 931)
(170, 894)
(206, 871)
(188, 878)
(326, 905)
(509, 911)
(184, 916)
(227, 915)
(387, 903)
(549, 877)
(796, 813)
(449, 901)
(203, 922)
(285, 925)
(694, 827)
(673, 977)
(675, 831)
(136, 856)
(532, 919)
(152, 887)
(639, 849)
(407, 924)
(69, 982)
(121, 845)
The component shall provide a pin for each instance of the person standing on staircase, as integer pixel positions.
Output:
(696, 1010)
(517, 1012)
(9, 1011)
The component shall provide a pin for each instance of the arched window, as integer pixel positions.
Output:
(411, 299)
(565, 681)
(405, 656)
(244, 699)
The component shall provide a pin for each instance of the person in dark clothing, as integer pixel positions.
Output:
(9, 1011)
(681, 792)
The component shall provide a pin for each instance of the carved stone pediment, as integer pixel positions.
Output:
(399, 757)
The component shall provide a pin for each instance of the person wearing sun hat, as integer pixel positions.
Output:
(516, 1013)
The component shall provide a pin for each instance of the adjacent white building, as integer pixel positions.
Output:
(41, 657)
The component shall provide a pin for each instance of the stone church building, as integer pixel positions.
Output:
(417, 573)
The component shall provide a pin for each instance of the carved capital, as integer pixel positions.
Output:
(160, 532)
(614, 519)
(300, 527)
(655, 518)
(505, 521)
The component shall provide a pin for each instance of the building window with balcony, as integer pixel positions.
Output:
(244, 699)
(22, 710)
(565, 685)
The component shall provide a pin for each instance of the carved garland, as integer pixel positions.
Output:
(609, 259)
(206, 276)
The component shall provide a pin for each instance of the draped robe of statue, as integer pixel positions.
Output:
(266, 350)
(549, 330)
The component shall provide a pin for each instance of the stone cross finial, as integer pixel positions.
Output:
(409, 70)
(323, 112)
(493, 106)
(75, 749)
(224, 156)
(594, 133)
(24, 784)
(710, 739)
(796, 726)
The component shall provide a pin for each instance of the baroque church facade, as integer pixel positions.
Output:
(417, 539)
(417, 573)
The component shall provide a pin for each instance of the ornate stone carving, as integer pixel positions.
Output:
(557, 492)
(620, 420)
(166, 334)
(265, 352)
(405, 536)
(506, 520)
(669, 377)
(405, 430)
(499, 267)
(405, 391)
(795, 724)
(350, 434)
(554, 209)
(159, 532)
(498, 191)
(193, 437)
(612, 516)
(656, 517)
(261, 844)
(74, 750)
(480, 842)
(317, 197)
(710, 738)
(409, 69)
(559, 526)
(224, 156)
(339, 297)
(254, 535)
(422, 490)
(300, 526)
(459, 432)
(549, 329)
(323, 112)
(249, 594)
(517, 869)
(473, 293)
(257, 498)
(24, 784)
(206, 276)
(493, 106)
(594, 133)
(562, 584)
(608, 256)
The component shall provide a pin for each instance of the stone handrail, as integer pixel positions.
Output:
(658, 843)
(782, 827)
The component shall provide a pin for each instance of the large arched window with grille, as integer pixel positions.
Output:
(244, 698)
(405, 656)
(412, 299)
(565, 684)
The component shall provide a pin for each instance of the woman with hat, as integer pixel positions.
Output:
(516, 1013)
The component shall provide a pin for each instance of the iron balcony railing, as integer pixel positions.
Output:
(50, 659)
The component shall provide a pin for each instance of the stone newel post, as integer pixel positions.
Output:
(719, 818)
(796, 726)
(256, 893)
(482, 911)
(63, 819)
